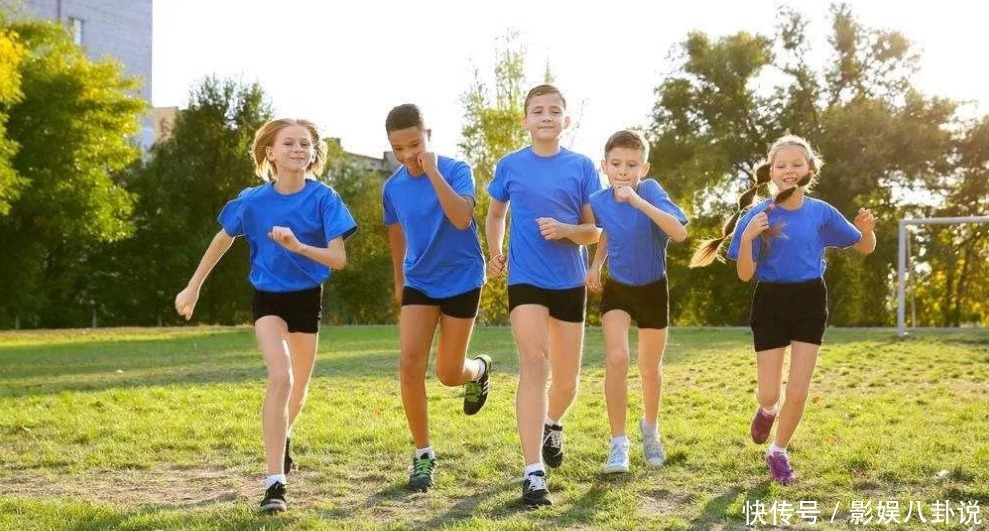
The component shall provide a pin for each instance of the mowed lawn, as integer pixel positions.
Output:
(160, 429)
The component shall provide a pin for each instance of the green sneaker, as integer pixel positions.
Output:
(421, 476)
(476, 393)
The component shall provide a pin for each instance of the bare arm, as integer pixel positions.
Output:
(457, 208)
(494, 232)
(745, 265)
(185, 301)
(593, 278)
(396, 244)
(865, 222)
(584, 233)
(665, 221)
(334, 255)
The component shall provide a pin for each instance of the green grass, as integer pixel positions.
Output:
(160, 429)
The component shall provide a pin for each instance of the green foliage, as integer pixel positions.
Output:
(12, 54)
(67, 135)
(493, 128)
(362, 292)
(190, 175)
(733, 96)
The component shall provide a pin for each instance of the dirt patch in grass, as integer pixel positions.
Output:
(161, 487)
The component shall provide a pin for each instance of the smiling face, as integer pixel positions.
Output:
(625, 166)
(546, 117)
(790, 165)
(407, 144)
(292, 151)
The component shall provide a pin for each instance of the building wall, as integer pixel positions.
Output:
(121, 29)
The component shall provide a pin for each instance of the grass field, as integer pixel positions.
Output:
(160, 429)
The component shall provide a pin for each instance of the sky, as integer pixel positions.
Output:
(344, 65)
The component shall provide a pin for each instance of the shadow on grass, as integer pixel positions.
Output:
(397, 495)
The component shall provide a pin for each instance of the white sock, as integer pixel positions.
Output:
(773, 449)
(529, 469)
(427, 451)
(272, 479)
(551, 422)
(619, 440)
(774, 410)
(480, 369)
(649, 428)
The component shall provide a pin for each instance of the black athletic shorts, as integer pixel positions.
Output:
(648, 304)
(301, 310)
(782, 313)
(463, 305)
(563, 304)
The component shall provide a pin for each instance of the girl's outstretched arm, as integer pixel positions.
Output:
(865, 222)
(185, 301)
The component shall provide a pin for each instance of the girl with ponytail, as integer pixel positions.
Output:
(790, 306)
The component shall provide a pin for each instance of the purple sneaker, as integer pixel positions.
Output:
(779, 468)
(762, 425)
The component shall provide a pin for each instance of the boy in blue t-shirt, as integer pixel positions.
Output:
(548, 188)
(439, 271)
(637, 219)
(295, 227)
(781, 243)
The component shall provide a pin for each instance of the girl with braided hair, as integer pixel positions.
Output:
(781, 242)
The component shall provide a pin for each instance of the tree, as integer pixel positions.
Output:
(492, 128)
(12, 55)
(733, 96)
(70, 131)
(188, 179)
(362, 292)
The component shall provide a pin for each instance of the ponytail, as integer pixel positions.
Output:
(709, 250)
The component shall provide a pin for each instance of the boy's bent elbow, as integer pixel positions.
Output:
(463, 224)
(339, 262)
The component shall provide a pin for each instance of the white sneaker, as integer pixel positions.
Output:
(617, 460)
(652, 446)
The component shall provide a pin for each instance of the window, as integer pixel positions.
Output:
(75, 28)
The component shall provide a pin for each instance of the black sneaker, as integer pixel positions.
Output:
(534, 491)
(289, 464)
(476, 393)
(421, 476)
(553, 445)
(274, 499)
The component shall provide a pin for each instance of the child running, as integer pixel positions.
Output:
(295, 227)
(638, 219)
(549, 189)
(781, 243)
(439, 271)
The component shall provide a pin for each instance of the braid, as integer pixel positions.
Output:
(781, 197)
(709, 250)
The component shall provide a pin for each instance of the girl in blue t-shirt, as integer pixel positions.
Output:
(637, 219)
(439, 271)
(781, 243)
(295, 227)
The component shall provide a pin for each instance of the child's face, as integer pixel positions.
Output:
(624, 167)
(293, 150)
(789, 166)
(546, 117)
(407, 144)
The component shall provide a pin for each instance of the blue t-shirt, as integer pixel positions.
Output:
(556, 187)
(796, 255)
(316, 215)
(440, 259)
(636, 245)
